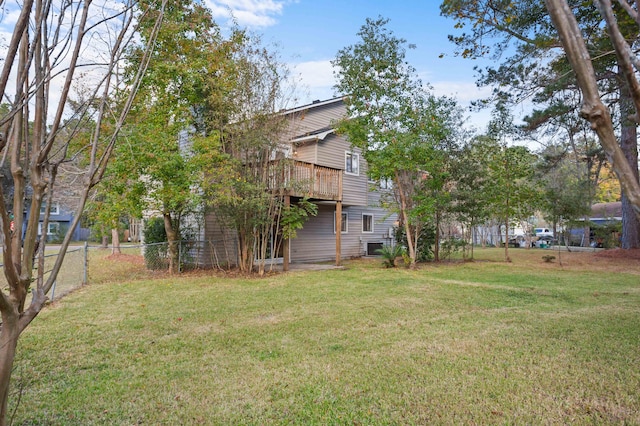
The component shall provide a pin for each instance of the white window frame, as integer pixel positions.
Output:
(55, 208)
(372, 223)
(345, 222)
(386, 183)
(52, 228)
(355, 159)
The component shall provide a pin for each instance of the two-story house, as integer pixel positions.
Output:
(338, 184)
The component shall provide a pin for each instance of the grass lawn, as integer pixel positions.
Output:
(484, 342)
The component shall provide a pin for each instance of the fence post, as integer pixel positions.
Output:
(179, 256)
(86, 263)
(53, 290)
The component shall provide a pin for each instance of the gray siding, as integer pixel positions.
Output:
(221, 243)
(315, 118)
(331, 153)
(316, 241)
(307, 153)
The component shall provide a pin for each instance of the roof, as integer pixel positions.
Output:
(606, 210)
(314, 104)
(317, 135)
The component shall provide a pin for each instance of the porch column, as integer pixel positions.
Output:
(285, 243)
(338, 232)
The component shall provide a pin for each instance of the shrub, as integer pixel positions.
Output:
(450, 246)
(426, 240)
(390, 254)
(155, 251)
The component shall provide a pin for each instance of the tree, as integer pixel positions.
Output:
(248, 197)
(401, 128)
(510, 190)
(512, 195)
(521, 36)
(191, 62)
(469, 193)
(569, 181)
(50, 45)
(593, 109)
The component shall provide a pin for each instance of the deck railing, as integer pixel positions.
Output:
(300, 179)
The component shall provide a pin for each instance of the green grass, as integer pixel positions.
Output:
(470, 343)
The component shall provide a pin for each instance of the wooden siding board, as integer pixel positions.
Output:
(221, 244)
(307, 152)
(315, 118)
(316, 240)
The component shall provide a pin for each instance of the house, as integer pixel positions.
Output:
(60, 219)
(335, 179)
(607, 216)
(63, 209)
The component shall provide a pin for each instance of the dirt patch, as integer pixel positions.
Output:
(619, 254)
(607, 261)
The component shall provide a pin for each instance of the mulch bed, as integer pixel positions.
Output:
(619, 254)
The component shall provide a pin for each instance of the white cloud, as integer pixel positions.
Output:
(315, 78)
(249, 13)
(463, 91)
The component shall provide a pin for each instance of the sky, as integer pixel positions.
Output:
(309, 33)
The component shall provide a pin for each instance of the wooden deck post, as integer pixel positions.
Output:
(285, 243)
(339, 222)
(338, 232)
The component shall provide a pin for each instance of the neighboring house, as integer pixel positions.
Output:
(602, 214)
(63, 208)
(60, 219)
(335, 179)
(606, 213)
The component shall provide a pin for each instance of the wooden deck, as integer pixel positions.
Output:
(300, 179)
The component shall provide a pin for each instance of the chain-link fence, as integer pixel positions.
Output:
(72, 274)
(189, 255)
(85, 263)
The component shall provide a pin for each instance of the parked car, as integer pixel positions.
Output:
(543, 232)
(545, 241)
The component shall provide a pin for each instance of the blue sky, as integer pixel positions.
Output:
(310, 33)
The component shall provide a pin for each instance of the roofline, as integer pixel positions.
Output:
(314, 104)
(315, 137)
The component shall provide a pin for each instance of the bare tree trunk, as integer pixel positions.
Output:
(115, 242)
(405, 219)
(8, 342)
(436, 248)
(629, 144)
(172, 242)
(593, 109)
(506, 240)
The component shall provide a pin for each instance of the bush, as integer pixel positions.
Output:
(606, 235)
(390, 254)
(426, 240)
(155, 238)
(450, 246)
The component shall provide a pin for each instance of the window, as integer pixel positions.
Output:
(367, 223)
(55, 207)
(351, 163)
(345, 223)
(386, 183)
(52, 228)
